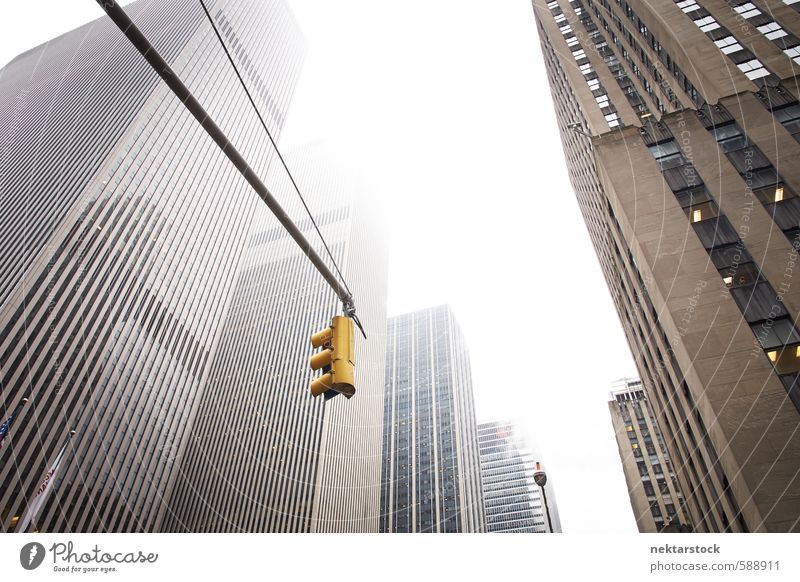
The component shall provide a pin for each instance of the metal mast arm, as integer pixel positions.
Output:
(129, 29)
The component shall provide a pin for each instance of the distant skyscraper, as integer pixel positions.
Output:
(264, 455)
(122, 229)
(512, 500)
(680, 124)
(430, 479)
(655, 495)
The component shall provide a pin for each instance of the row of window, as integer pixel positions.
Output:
(752, 293)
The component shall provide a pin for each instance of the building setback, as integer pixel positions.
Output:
(122, 234)
(680, 124)
(656, 498)
(263, 454)
(512, 500)
(430, 480)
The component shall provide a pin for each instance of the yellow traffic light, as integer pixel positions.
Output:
(335, 360)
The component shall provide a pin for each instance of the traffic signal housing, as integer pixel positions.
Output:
(336, 360)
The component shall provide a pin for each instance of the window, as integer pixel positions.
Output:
(707, 24)
(747, 10)
(692, 196)
(664, 149)
(702, 211)
(758, 302)
(740, 275)
(789, 117)
(729, 137)
(753, 68)
(782, 332)
(728, 44)
(786, 360)
(793, 53)
(772, 30)
(777, 193)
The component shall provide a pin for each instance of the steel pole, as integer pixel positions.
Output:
(129, 29)
(547, 509)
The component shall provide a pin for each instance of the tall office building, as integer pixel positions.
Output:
(264, 455)
(512, 500)
(656, 497)
(680, 123)
(123, 227)
(430, 480)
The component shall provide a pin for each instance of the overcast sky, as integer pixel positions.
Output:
(447, 102)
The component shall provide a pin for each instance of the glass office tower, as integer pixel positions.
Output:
(122, 231)
(511, 498)
(656, 497)
(431, 470)
(263, 454)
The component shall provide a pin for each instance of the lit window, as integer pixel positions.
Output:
(728, 281)
(697, 215)
(635, 446)
(629, 428)
(786, 360)
(778, 193)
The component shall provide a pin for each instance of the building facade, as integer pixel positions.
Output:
(679, 122)
(512, 500)
(430, 479)
(263, 454)
(656, 497)
(123, 229)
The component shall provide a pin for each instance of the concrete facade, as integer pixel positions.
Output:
(691, 203)
(653, 488)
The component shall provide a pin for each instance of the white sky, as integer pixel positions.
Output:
(448, 102)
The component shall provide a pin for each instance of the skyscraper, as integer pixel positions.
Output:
(511, 498)
(656, 498)
(123, 226)
(430, 479)
(263, 454)
(679, 122)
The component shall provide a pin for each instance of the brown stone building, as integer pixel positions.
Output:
(680, 123)
(656, 497)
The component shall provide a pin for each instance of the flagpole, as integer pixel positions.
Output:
(44, 489)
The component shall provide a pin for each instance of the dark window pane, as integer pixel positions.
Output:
(730, 255)
(715, 232)
(758, 302)
(786, 213)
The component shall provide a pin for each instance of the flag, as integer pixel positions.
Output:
(41, 493)
(6, 426)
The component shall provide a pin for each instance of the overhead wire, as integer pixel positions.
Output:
(274, 145)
